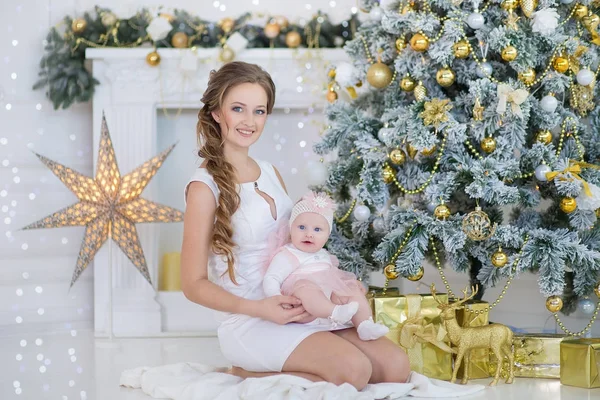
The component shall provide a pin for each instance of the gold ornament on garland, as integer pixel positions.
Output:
(528, 7)
(227, 24)
(544, 137)
(416, 277)
(379, 75)
(442, 211)
(420, 92)
(527, 76)
(429, 151)
(582, 99)
(180, 40)
(332, 96)
(419, 42)
(554, 304)
(461, 49)
(561, 64)
(397, 156)
(445, 77)
(293, 39)
(568, 205)
(109, 205)
(597, 289)
(272, 30)
(488, 144)
(499, 258)
(390, 272)
(153, 58)
(477, 225)
(435, 112)
(407, 84)
(509, 53)
(478, 110)
(412, 152)
(580, 11)
(78, 25)
(400, 44)
(510, 5)
(388, 174)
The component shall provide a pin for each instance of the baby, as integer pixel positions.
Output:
(305, 270)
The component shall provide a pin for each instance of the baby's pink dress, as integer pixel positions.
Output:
(318, 269)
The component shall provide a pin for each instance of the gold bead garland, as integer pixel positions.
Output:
(397, 253)
(584, 330)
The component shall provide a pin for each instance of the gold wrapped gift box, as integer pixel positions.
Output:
(580, 362)
(479, 365)
(416, 326)
(536, 355)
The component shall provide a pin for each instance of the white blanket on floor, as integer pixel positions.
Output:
(190, 381)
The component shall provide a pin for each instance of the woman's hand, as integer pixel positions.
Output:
(281, 309)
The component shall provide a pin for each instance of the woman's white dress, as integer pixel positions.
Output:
(247, 342)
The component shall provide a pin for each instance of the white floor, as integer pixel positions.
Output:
(76, 366)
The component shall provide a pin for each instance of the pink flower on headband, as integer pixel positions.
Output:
(319, 201)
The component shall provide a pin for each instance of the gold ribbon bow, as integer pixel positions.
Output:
(516, 97)
(574, 169)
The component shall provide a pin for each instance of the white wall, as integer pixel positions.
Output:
(44, 259)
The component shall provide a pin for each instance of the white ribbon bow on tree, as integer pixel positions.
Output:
(516, 97)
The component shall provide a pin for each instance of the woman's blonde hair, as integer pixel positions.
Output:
(211, 141)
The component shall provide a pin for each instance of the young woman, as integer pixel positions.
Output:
(233, 203)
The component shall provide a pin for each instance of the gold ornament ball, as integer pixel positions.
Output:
(153, 59)
(293, 39)
(419, 42)
(544, 137)
(400, 44)
(488, 144)
(597, 289)
(282, 21)
(78, 25)
(272, 30)
(388, 175)
(580, 11)
(509, 53)
(568, 205)
(429, 151)
(499, 259)
(390, 271)
(509, 5)
(227, 24)
(331, 73)
(332, 96)
(561, 64)
(461, 49)
(445, 77)
(379, 75)
(528, 76)
(417, 276)
(226, 55)
(420, 92)
(397, 156)
(407, 84)
(441, 212)
(554, 304)
(180, 40)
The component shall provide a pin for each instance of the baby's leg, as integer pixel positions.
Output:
(363, 320)
(317, 304)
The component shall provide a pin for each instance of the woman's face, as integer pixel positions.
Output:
(243, 115)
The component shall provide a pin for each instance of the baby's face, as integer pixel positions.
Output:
(309, 232)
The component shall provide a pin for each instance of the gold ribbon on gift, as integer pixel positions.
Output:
(506, 94)
(415, 331)
(574, 169)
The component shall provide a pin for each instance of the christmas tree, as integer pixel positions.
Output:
(469, 137)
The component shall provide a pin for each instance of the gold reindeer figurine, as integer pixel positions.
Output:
(496, 337)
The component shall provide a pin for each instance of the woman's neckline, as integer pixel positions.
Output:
(260, 173)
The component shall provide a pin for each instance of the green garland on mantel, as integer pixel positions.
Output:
(62, 68)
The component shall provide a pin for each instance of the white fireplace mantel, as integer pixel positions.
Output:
(130, 92)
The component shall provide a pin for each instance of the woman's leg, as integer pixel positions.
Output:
(333, 358)
(242, 373)
(389, 362)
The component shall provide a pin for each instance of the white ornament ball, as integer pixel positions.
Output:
(540, 172)
(338, 41)
(475, 20)
(431, 207)
(566, 1)
(379, 224)
(317, 174)
(587, 306)
(585, 77)
(362, 213)
(384, 134)
(375, 14)
(485, 70)
(549, 103)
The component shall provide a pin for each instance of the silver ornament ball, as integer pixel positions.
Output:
(585, 77)
(379, 224)
(566, 1)
(375, 14)
(362, 213)
(431, 207)
(587, 306)
(549, 103)
(485, 70)
(540, 172)
(475, 20)
(317, 174)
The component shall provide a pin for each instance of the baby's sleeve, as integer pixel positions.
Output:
(279, 269)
